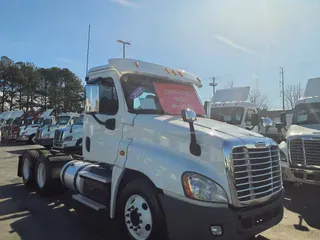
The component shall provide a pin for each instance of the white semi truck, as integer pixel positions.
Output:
(300, 153)
(69, 139)
(45, 134)
(158, 167)
(28, 132)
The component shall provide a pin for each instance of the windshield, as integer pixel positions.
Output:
(79, 120)
(63, 120)
(306, 113)
(9, 121)
(38, 121)
(231, 115)
(148, 95)
(47, 121)
(17, 121)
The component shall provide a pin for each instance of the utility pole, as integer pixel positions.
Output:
(123, 47)
(88, 48)
(213, 85)
(282, 94)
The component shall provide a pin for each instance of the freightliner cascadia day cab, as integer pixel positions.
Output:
(14, 120)
(160, 168)
(70, 138)
(300, 153)
(45, 135)
(28, 132)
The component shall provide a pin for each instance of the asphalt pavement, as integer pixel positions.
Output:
(25, 215)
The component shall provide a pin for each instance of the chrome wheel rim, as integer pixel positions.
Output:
(41, 175)
(26, 169)
(138, 217)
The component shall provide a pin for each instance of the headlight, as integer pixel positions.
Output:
(202, 188)
(283, 156)
(69, 138)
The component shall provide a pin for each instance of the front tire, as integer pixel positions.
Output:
(28, 164)
(140, 213)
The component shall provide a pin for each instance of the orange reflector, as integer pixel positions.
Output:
(137, 64)
(181, 73)
(122, 153)
(198, 79)
(174, 72)
(168, 70)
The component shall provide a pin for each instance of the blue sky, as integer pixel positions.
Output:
(238, 41)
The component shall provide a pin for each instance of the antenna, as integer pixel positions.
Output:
(88, 47)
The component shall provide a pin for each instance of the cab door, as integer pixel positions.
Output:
(103, 127)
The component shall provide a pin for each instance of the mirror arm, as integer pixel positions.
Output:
(195, 148)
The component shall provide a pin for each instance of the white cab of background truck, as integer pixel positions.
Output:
(70, 138)
(233, 105)
(27, 133)
(45, 134)
(159, 167)
(300, 153)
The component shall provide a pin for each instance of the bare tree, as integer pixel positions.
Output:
(292, 93)
(230, 84)
(259, 99)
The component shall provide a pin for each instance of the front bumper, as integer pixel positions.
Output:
(300, 175)
(189, 221)
(46, 142)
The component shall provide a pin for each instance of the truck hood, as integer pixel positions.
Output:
(310, 129)
(207, 130)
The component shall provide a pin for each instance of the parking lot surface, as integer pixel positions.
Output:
(24, 215)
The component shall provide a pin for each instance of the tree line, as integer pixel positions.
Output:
(25, 86)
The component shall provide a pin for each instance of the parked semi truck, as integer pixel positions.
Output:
(300, 152)
(28, 132)
(13, 120)
(45, 134)
(69, 139)
(160, 168)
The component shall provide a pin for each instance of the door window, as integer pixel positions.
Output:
(249, 116)
(108, 102)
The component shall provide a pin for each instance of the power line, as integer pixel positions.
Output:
(213, 85)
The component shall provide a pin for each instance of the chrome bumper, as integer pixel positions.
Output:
(300, 175)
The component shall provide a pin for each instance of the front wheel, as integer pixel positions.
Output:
(140, 212)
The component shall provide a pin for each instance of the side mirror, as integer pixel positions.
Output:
(188, 115)
(92, 98)
(71, 122)
(255, 119)
(283, 119)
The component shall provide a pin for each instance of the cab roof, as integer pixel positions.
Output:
(126, 65)
(234, 104)
(313, 99)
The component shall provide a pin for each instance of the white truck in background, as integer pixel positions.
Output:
(300, 152)
(28, 132)
(69, 139)
(162, 169)
(45, 134)
(231, 105)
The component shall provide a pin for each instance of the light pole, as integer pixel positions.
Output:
(124, 47)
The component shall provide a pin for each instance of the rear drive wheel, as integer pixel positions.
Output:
(46, 185)
(28, 163)
(140, 212)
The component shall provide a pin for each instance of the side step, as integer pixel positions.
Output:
(89, 202)
(95, 177)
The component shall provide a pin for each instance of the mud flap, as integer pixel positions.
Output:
(19, 166)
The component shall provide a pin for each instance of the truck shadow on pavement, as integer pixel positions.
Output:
(304, 200)
(32, 217)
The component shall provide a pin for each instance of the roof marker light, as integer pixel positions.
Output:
(174, 72)
(168, 70)
(137, 64)
(198, 79)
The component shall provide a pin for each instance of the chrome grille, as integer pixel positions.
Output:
(305, 151)
(58, 135)
(257, 172)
